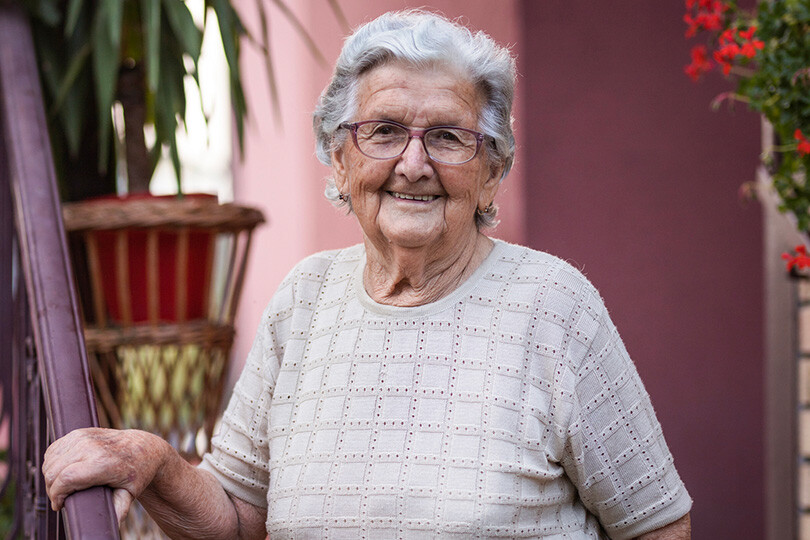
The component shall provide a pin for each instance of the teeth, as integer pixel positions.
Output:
(413, 197)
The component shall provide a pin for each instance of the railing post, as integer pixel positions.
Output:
(8, 373)
(6, 308)
(65, 392)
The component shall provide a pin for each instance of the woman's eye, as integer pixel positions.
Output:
(449, 136)
(385, 131)
(445, 136)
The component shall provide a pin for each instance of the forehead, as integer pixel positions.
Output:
(418, 96)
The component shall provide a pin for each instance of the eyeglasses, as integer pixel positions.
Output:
(381, 139)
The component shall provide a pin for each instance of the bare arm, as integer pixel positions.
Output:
(677, 530)
(185, 501)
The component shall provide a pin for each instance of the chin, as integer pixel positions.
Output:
(413, 239)
(411, 233)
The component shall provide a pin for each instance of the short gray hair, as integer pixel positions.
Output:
(421, 39)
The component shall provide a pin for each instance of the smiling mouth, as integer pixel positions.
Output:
(405, 196)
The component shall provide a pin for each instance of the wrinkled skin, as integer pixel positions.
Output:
(417, 215)
(185, 501)
(84, 459)
(680, 529)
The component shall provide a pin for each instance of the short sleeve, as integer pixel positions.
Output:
(239, 457)
(615, 453)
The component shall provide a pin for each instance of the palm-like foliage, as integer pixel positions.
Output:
(137, 52)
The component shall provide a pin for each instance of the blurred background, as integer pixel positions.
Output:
(623, 168)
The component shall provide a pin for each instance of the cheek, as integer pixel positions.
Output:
(464, 187)
(368, 177)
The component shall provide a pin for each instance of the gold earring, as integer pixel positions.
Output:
(485, 211)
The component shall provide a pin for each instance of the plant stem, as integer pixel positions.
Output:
(132, 96)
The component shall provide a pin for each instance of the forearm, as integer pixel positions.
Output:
(677, 530)
(189, 503)
(185, 501)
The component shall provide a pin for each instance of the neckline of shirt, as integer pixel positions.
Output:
(432, 307)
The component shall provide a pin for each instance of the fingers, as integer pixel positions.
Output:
(64, 445)
(63, 475)
(101, 457)
(122, 500)
(69, 479)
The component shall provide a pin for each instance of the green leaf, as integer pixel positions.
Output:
(175, 157)
(150, 14)
(76, 66)
(230, 29)
(68, 100)
(48, 11)
(187, 33)
(112, 11)
(106, 48)
(170, 99)
(238, 104)
(268, 68)
(74, 10)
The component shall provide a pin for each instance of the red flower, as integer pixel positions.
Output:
(725, 56)
(749, 48)
(712, 5)
(800, 260)
(710, 21)
(803, 145)
(734, 43)
(727, 37)
(750, 45)
(708, 16)
(700, 62)
(731, 43)
(693, 25)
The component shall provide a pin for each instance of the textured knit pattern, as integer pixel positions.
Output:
(508, 409)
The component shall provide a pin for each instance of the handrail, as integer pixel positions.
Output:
(58, 343)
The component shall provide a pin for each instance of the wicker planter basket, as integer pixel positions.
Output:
(160, 279)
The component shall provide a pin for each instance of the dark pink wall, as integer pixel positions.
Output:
(635, 180)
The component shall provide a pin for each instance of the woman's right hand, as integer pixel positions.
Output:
(126, 461)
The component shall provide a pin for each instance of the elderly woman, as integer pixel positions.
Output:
(431, 382)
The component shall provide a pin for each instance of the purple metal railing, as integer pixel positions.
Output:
(46, 386)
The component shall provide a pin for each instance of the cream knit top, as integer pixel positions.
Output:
(509, 408)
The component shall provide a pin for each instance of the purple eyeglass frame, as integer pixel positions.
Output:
(413, 133)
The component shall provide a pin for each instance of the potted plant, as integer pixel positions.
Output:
(138, 53)
(765, 54)
(146, 266)
(141, 55)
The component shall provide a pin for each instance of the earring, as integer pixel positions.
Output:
(344, 197)
(485, 211)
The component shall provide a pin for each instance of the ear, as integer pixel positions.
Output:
(340, 170)
(490, 187)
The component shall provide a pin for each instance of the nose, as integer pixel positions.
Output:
(414, 163)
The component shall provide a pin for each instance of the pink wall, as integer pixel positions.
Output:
(634, 179)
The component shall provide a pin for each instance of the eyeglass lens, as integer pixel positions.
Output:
(383, 140)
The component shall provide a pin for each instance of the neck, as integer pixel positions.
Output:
(415, 276)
